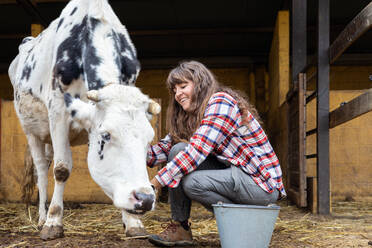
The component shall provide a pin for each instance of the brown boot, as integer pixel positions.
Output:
(172, 235)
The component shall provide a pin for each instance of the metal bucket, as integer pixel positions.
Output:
(245, 225)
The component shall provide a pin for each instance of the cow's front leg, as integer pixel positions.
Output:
(59, 128)
(38, 155)
(133, 225)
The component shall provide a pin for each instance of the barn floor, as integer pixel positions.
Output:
(98, 225)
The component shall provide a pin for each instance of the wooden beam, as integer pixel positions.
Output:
(36, 1)
(323, 107)
(358, 26)
(299, 36)
(356, 107)
(30, 7)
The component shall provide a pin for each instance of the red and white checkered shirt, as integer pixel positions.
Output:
(221, 133)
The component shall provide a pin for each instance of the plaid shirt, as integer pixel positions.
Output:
(221, 133)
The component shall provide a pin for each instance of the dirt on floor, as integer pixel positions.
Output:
(99, 225)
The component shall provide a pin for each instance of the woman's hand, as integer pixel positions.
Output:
(156, 183)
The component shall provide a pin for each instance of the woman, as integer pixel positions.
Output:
(215, 151)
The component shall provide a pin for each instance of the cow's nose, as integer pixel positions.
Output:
(145, 201)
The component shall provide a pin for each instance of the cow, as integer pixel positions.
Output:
(74, 83)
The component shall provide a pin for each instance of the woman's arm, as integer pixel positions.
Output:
(158, 153)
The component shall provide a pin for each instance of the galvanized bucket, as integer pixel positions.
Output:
(245, 225)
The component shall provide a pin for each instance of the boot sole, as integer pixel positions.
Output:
(169, 243)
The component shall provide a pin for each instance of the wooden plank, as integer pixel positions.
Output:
(294, 195)
(299, 36)
(356, 107)
(302, 138)
(311, 132)
(310, 97)
(358, 26)
(33, 11)
(296, 153)
(323, 169)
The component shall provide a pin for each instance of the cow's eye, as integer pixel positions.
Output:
(106, 136)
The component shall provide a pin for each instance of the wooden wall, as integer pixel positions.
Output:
(350, 143)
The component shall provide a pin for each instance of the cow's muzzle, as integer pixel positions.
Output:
(144, 203)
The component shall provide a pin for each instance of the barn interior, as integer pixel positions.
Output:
(247, 44)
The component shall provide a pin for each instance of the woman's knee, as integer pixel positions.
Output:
(191, 185)
(176, 149)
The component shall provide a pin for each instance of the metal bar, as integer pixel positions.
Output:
(323, 107)
(311, 97)
(311, 132)
(311, 156)
(299, 46)
(356, 107)
(33, 11)
(358, 26)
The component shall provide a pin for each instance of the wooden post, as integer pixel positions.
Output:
(299, 45)
(323, 174)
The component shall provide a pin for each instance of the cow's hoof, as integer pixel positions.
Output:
(40, 224)
(139, 232)
(51, 232)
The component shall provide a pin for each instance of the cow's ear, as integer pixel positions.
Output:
(81, 112)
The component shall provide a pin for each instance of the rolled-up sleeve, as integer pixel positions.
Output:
(158, 153)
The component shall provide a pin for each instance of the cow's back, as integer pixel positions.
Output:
(85, 48)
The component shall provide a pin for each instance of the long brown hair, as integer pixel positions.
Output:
(181, 124)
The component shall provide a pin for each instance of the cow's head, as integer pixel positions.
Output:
(117, 120)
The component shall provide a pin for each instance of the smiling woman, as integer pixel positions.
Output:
(183, 94)
(215, 151)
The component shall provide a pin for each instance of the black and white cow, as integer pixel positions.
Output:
(85, 54)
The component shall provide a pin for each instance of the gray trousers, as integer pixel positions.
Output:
(212, 182)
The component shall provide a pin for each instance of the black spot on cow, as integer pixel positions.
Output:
(101, 157)
(50, 103)
(70, 57)
(100, 151)
(33, 57)
(128, 66)
(73, 11)
(34, 65)
(59, 24)
(106, 136)
(92, 60)
(60, 88)
(73, 113)
(68, 99)
(54, 81)
(26, 72)
(26, 39)
(41, 88)
(69, 53)
(17, 95)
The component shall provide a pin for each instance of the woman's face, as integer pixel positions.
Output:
(183, 94)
